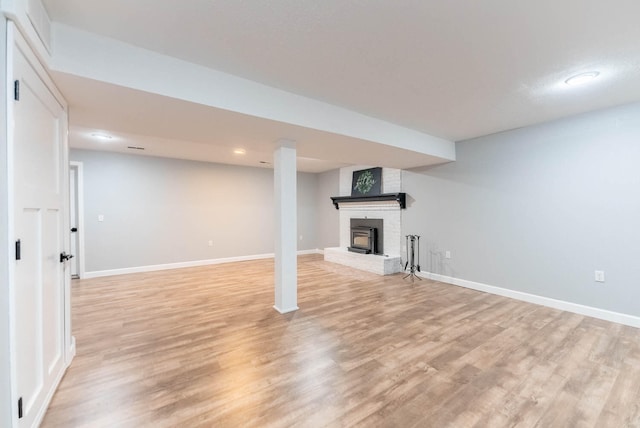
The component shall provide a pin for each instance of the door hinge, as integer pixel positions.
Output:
(16, 90)
(18, 248)
(20, 408)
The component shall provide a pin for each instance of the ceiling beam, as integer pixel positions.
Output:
(100, 58)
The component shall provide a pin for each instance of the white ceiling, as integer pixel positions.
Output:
(447, 68)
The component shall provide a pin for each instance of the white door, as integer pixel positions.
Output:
(73, 221)
(38, 306)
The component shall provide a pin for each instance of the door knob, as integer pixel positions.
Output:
(64, 257)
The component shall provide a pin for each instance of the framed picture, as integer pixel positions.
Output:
(367, 182)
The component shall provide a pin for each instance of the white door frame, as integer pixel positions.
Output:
(80, 214)
(7, 406)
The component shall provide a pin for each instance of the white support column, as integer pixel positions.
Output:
(286, 262)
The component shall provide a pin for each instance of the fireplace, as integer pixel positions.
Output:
(354, 211)
(366, 236)
(363, 240)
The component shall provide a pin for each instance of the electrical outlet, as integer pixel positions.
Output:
(210, 243)
(301, 237)
(599, 276)
(447, 254)
(100, 217)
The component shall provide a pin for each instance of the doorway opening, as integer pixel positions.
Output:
(76, 219)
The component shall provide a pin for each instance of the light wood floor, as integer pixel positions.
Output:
(203, 347)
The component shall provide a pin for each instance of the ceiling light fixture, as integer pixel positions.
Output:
(239, 151)
(100, 136)
(582, 78)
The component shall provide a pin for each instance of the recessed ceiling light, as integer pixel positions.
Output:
(582, 78)
(239, 151)
(101, 136)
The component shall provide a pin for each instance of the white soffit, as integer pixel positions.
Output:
(169, 127)
(105, 60)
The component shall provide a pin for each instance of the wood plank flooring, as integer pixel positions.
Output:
(203, 347)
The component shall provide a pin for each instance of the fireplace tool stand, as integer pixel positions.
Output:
(413, 257)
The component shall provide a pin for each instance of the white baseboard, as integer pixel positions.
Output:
(590, 311)
(71, 351)
(179, 265)
(313, 251)
(285, 311)
(47, 399)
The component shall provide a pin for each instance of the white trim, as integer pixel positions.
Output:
(47, 400)
(285, 311)
(179, 265)
(16, 12)
(71, 351)
(590, 311)
(312, 251)
(10, 53)
(80, 220)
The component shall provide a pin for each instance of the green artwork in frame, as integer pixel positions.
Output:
(367, 182)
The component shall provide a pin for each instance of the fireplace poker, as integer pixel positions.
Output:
(418, 251)
(411, 256)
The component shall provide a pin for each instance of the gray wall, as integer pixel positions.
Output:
(328, 229)
(538, 210)
(159, 210)
(307, 193)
